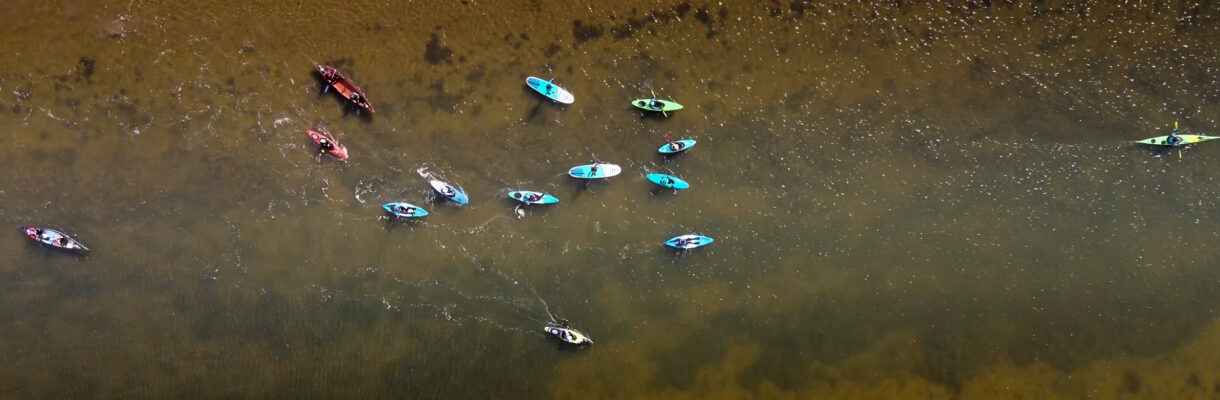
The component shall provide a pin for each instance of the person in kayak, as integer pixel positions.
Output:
(657, 104)
(447, 191)
(535, 197)
(61, 242)
(325, 145)
(402, 210)
(1173, 139)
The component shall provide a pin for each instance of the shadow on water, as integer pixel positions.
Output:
(1162, 151)
(660, 193)
(393, 223)
(542, 100)
(48, 252)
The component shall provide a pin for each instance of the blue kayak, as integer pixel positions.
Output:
(677, 146)
(550, 90)
(450, 192)
(529, 197)
(688, 241)
(668, 181)
(588, 172)
(404, 210)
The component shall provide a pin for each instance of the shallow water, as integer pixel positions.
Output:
(908, 200)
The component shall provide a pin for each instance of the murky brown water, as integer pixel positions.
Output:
(909, 200)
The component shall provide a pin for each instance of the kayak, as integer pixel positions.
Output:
(588, 172)
(1186, 139)
(676, 146)
(550, 90)
(529, 197)
(450, 192)
(404, 210)
(656, 105)
(53, 238)
(568, 335)
(688, 241)
(668, 181)
(339, 150)
(335, 79)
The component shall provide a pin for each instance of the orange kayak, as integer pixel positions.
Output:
(339, 150)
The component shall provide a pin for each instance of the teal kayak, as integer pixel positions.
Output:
(668, 181)
(676, 146)
(404, 210)
(529, 197)
(688, 241)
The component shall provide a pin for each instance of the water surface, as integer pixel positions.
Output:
(908, 200)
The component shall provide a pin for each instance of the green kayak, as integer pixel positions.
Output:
(656, 105)
(1186, 139)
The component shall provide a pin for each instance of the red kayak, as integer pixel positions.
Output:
(338, 150)
(344, 86)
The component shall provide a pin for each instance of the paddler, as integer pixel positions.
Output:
(1173, 139)
(657, 104)
(325, 145)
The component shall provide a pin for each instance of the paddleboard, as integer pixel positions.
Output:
(550, 90)
(529, 197)
(586, 171)
(668, 181)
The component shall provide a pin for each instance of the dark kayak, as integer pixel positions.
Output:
(52, 238)
(335, 79)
